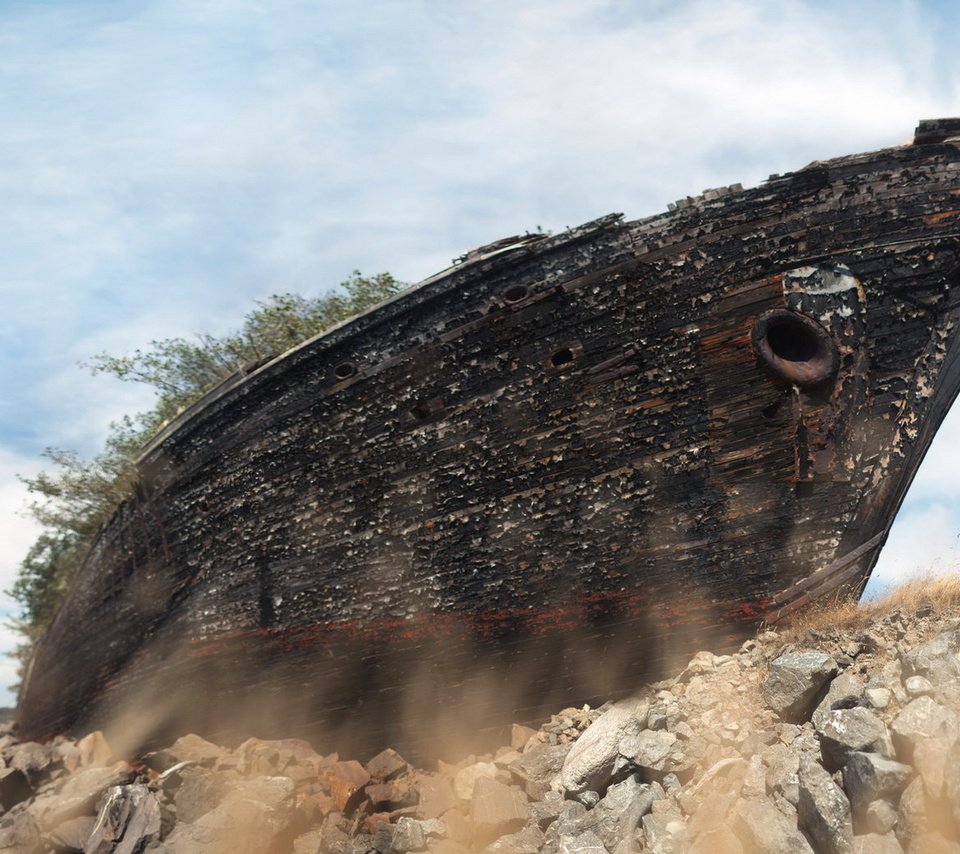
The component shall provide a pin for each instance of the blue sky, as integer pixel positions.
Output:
(163, 165)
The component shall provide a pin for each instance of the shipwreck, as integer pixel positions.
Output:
(537, 475)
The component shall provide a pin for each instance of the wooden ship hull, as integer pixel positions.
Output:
(535, 478)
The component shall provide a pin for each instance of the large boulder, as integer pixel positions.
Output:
(845, 731)
(590, 764)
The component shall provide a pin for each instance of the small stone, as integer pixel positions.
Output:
(880, 817)
(585, 843)
(36, 761)
(346, 781)
(196, 749)
(94, 749)
(663, 829)
(879, 698)
(526, 841)
(794, 682)
(386, 765)
(520, 735)
(653, 750)
(918, 686)
(407, 836)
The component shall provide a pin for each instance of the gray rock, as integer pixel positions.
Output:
(880, 817)
(918, 686)
(575, 819)
(664, 830)
(845, 687)
(879, 698)
(913, 818)
(465, 779)
(919, 720)
(794, 683)
(73, 834)
(868, 776)
(716, 840)
(539, 766)
(782, 764)
(197, 749)
(127, 823)
(823, 810)
(249, 818)
(763, 829)
(526, 841)
(845, 731)
(585, 843)
(14, 787)
(936, 659)
(199, 792)
(622, 809)
(34, 760)
(544, 812)
(407, 836)
(875, 843)
(934, 843)
(78, 795)
(591, 761)
(496, 806)
(308, 843)
(653, 750)
(19, 832)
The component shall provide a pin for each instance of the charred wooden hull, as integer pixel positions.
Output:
(566, 458)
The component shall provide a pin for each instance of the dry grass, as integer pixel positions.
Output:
(846, 614)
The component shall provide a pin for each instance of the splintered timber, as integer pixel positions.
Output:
(564, 458)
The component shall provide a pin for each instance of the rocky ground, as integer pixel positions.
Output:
(811, 740)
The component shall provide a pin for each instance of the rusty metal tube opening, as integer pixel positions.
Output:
(794, 349)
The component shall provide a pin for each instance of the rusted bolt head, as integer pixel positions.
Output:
(794, 349)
